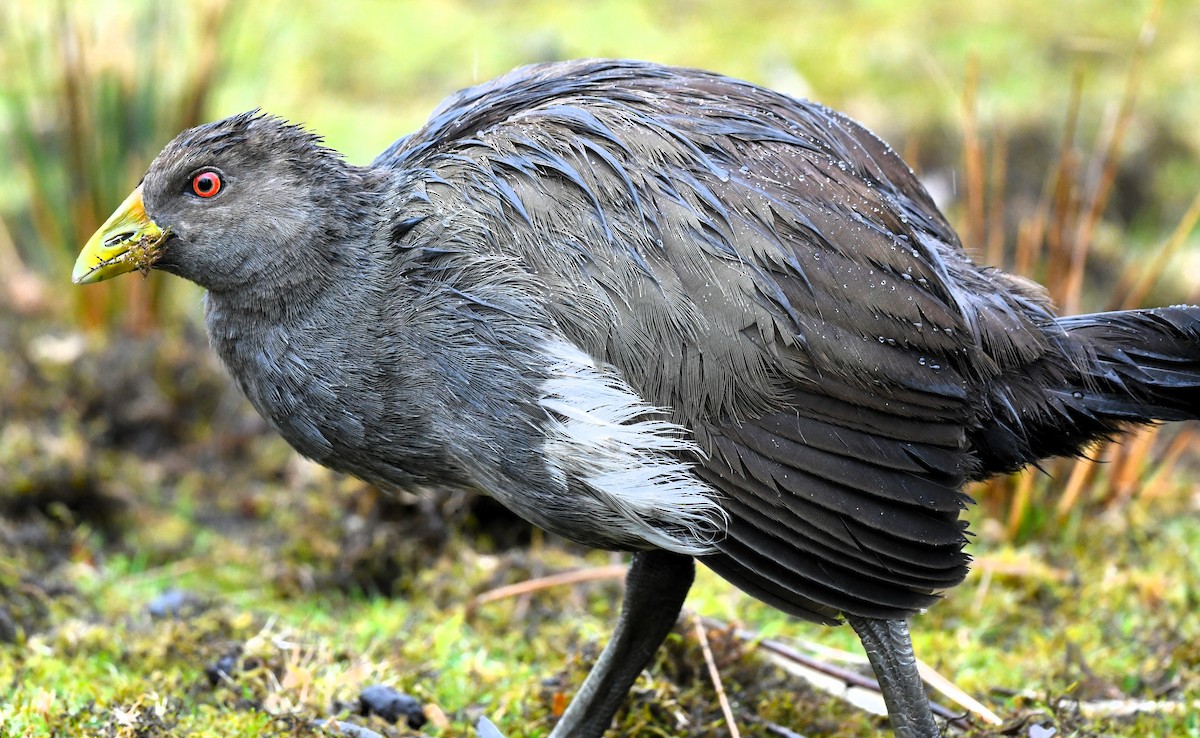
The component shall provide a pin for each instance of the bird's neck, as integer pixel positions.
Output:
(306, 347)
(270, 341)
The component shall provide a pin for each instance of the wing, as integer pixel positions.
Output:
(775, 275)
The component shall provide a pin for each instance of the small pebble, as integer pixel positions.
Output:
(391, 705)
(225, 668)
(487, 729)
(341, 727)
(174, 603)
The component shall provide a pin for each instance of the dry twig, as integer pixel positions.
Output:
(715, 676)
(614, 571)
(851, 679)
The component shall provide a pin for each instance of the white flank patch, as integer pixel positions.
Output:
(603, 435)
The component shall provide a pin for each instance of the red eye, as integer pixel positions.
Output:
(206, 184)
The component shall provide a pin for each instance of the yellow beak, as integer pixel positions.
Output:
(128, 240)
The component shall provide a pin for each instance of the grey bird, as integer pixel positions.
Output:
(654, 310)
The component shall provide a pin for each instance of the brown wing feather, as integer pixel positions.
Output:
(773, 273)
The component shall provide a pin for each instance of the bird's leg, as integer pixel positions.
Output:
(655, 588)
(889, 647)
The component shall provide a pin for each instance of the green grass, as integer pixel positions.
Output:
(1105, 610)
(286, 555)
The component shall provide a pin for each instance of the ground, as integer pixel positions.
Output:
(169, 567)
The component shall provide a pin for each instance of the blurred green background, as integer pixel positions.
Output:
(92, 90)
(1060, 137)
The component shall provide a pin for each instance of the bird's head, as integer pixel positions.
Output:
(225, 203)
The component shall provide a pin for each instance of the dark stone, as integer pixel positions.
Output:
(391, 705)
(226, 667)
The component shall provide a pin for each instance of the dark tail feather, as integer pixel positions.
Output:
(1114, 369)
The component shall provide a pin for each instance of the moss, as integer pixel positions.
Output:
(1027, 639)
(272, 557)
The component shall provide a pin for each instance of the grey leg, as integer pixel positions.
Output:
(889, 647)
(655, 588)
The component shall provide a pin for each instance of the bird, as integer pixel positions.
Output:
(654, 310)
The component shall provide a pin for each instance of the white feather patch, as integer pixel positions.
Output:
(632, 461)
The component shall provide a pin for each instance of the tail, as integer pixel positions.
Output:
(1110, 370)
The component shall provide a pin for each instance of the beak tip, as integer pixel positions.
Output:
(80, 274)
(128, 240)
